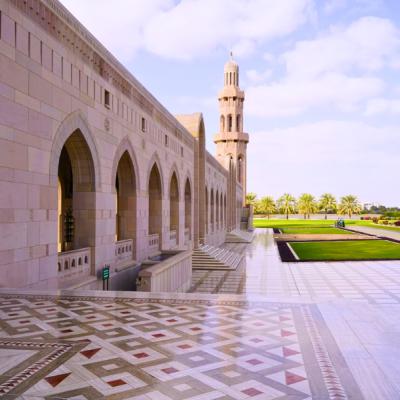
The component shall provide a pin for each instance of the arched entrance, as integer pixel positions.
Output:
(217, 210)
(188, 211)
(174, 210)
(221, 211)
(207, 220)
(76, 201)
(212, 205)
(225, 223)
(125, 198)
(155, 208)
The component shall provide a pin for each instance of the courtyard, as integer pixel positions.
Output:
(269, 330)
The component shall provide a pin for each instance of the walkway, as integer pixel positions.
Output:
(375, 282)
(297, 332)
(376, 231)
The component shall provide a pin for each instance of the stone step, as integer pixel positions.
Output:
(239, 236)
(211, 257)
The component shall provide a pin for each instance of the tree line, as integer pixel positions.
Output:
(306, 204)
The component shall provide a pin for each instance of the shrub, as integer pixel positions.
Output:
(397, 223)
(385, 222)
(375, 220)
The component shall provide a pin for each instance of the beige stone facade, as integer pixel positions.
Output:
(93, 169)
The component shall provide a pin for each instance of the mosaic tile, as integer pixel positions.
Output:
(260, 350)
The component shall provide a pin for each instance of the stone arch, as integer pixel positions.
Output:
(225, 222)
(174, 170)
(75, 121)
(77, 178)
(126, 200)
(217, 209)
(229, 123)
(221, 210)
(125, 146)
(188, 208)
(212, 209)
(155, 160)
(174, 198)
(155, 196)
(240, 168)
(206, 201)
(188, 177)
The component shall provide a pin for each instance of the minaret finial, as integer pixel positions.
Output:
(231, 55)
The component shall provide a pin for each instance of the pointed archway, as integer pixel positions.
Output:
(77, 194)
(207, 221)
(188, 211)
(126, 202)
(212, 206)
(174, 210)
(155, 207)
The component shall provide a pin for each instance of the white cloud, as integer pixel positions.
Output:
(368, 44)
(364, 6)
(338, 71)
(379, 106)
(244, 48)
(341, 157)
(331, 6)
(253, 76)
(189, 28)
(118, 26)
(294, 97)
(269, 57)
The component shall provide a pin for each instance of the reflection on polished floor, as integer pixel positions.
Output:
(264, 273)
(296, 331)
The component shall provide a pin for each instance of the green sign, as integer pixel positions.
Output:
(106, 272)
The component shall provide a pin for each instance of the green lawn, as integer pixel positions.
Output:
(313, 230)
(292, 223)
(299, 226)
(349, 250)
(312, 223)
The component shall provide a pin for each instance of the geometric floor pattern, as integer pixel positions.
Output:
(167, 349)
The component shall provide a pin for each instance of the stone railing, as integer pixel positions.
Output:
(124, 250)
(74, 263)
(171, 275)
(154, 243)
(172, 238)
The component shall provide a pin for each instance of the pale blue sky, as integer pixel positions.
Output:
(322, 81)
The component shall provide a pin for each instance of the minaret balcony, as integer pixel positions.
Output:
(231, 136)
(231, 91)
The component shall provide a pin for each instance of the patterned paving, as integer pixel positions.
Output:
(130, 348)
(376, 282)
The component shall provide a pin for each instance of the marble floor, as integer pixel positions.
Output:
(376, 282)
(167, 348)
(269, 331)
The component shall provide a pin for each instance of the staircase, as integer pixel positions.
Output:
(239, 236)
(215, 258)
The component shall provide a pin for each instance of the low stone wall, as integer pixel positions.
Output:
(171, 275)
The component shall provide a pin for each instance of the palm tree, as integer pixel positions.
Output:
(349, 205)
(307, 204)
(327, 203)
(287, 204)
(267, 205)
(251, 198)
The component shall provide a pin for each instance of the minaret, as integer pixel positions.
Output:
(231, 141)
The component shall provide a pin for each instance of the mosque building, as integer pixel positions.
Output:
(94, 170)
